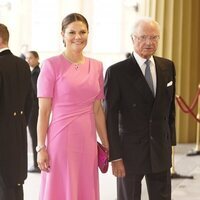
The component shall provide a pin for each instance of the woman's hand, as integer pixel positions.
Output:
(43, 160)
(105, 145)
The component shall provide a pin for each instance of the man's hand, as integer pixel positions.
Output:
(118, 168)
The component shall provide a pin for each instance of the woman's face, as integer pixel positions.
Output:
(75, 36)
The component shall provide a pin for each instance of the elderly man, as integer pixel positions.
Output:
(140, 114)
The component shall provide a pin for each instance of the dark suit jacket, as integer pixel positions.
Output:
(15, 105)
(141, 127)
(34, 77)
(34, 111)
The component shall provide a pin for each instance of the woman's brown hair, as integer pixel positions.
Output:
(72, 18)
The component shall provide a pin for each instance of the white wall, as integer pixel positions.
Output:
(37, 24)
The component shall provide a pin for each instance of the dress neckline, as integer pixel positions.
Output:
(76, 66)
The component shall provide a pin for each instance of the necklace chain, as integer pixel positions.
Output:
(76, 64)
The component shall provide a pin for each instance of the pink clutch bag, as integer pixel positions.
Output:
(102, 158)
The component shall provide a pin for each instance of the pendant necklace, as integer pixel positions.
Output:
(75, 65)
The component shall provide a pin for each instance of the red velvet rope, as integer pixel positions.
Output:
(189, 109)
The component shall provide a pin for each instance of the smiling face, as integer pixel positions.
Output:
(75, 36)
(145, 39)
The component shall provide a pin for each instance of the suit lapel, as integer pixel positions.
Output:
(160, 77)
(160, 81)
(140, 83)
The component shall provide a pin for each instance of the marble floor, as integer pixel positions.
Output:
(187, 188)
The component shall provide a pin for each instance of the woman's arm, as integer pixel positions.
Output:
(42, 126)
(100, 123)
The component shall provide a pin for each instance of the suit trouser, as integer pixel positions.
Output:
(32, 126)
(10, 193)
(158, 186)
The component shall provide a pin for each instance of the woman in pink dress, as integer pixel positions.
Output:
(70, 90)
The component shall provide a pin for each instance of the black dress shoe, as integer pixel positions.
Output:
(34, 169)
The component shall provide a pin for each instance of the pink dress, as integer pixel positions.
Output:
(71, 138)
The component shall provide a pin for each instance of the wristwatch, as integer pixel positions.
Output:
(39, 148)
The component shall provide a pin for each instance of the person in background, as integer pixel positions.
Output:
(128, 54)
(15, 107)
(32, 58)
(70, 90)
(140, 116)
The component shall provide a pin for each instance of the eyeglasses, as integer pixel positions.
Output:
(144, 38)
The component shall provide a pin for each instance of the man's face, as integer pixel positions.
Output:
(31, 59)
(145, 40)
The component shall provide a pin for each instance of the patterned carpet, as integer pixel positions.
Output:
(188, 189)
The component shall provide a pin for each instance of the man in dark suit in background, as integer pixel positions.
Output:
(140, 114)
(15, 106)
(32, 58)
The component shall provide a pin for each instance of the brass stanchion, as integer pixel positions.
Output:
(196, 151)
(189, 110)
(175, 175)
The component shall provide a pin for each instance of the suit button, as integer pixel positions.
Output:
(150, 121)
(151, 138)
(14, 114)
(133, 105)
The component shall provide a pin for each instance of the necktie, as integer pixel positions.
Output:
(148, 75)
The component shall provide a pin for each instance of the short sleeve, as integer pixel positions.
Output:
(101, 83)
(46, 80)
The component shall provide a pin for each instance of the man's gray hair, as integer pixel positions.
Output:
(143, 19)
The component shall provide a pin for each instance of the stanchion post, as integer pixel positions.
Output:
(196, 150)
(175, 175)
(198, 124)
(173, 162)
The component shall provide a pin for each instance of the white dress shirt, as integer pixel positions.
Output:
(3, 49)
(142, 65)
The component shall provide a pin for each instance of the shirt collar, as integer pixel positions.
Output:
(3, 49)
(141, 60)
